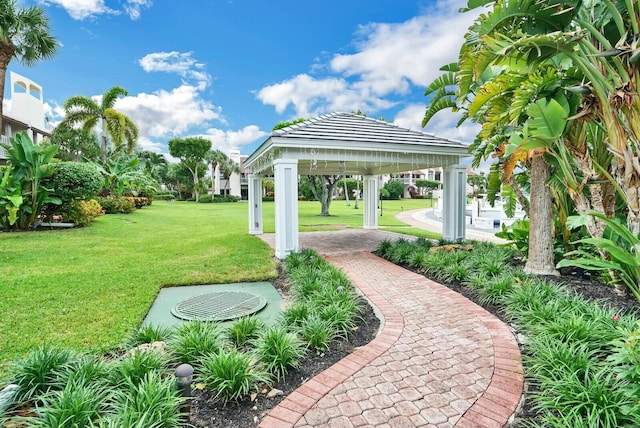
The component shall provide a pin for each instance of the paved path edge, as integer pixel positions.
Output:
(495, 406)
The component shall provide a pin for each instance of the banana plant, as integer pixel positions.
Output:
(10, 199)
(30, 166)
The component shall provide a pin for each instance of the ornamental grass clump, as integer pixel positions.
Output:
(231, 374)
(85, 370)
(133, 367)
(244, 330)
(401, 251)
(496, 288)
(149, 333)
(279, 350)
(317, 333)
(77, 405)
(296, 314)
(153, 401)
(194, 340)
(37, 373)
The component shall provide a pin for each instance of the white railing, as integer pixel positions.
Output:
(3, 140)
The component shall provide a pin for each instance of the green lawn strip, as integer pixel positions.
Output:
(86, 288)
(343, 216)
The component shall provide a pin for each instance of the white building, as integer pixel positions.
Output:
(25, 112)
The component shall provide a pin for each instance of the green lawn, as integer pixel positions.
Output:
(86, 288)
(343, 216)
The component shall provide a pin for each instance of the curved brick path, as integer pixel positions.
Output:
(439, 361)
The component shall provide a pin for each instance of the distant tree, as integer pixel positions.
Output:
(322, 186)
(191, 152)
(81, 110)
(153, 164)
(478, 181)
(74, 144)
(25, 35)
(281, 125)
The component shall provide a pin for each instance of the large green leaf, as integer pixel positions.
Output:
(547, 119)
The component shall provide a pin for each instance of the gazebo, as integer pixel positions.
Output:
(350, 144)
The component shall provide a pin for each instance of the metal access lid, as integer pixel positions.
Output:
(218, 306)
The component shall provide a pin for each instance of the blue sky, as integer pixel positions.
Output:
(229, 70)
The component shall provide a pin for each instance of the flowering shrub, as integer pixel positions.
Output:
(82, 212)
(115, 205)
(138, 201)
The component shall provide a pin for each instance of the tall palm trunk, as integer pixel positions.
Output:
(540, 258)
(6, 53)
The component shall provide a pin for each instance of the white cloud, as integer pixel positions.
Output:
(228, 140)
(311, 97)
(82, 9)
(164, 114)
(132, 7)
(180, 63)
(53, 114)
(390, 59)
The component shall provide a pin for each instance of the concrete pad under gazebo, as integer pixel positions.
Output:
(350, 144)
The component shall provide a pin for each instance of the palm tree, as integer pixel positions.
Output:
(85, 111)
(25, 35)
(152, 163)
(228, 167)
(215, 158)
(516, 105)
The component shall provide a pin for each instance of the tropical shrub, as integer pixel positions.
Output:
(622, 247)
(394, 188)
(116, 205)
(518, 234)
(75, 180)
(231, 374)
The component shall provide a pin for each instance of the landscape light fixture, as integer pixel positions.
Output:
(184, 376)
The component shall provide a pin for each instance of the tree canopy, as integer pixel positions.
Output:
(192, 152)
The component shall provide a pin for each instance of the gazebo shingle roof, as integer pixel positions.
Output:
(347, 143)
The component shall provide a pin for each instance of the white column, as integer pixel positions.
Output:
(216, 182)
(454, 203)
(255, 204)
(370, 197)
(286, 205)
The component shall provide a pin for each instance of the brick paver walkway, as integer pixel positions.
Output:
(439, 361)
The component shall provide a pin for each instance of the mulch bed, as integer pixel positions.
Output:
(207, 411)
